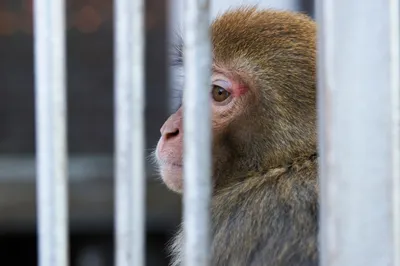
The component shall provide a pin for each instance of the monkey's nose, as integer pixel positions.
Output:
(171, 134)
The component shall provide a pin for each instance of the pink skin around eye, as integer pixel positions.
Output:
(232, 86)
(239, 90)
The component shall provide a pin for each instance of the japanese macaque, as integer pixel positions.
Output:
(263, 96)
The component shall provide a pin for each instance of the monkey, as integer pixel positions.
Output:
(264, 205)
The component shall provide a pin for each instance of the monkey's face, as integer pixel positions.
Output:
(226, 96)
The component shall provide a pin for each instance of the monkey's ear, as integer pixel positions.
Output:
(175, 62)
(176, 51)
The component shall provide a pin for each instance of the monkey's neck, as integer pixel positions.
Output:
(296, 164)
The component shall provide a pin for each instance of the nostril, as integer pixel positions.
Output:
(171, 135)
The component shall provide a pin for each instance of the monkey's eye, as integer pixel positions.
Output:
(219, 94)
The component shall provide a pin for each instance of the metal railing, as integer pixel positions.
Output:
(197, 136)
(359, 132)
(130, 142)
(51, 143)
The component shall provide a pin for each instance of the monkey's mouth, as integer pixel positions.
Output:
(164, 160)
(176, 164)
(170, 163)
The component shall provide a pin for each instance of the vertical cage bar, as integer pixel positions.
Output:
(358, 131)
(130, 141)
(197, 138)
(395, 86)
(51, 144)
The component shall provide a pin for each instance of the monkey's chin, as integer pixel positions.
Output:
(172, 177)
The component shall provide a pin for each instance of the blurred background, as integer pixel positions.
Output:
(90, 127)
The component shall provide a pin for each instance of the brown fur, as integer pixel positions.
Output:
(265, 201)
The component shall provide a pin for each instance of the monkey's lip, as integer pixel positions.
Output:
(176, 164)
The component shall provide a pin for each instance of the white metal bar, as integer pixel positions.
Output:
(51, 144)
(130, 141)
(197, 136)
(358, 93)
(395, 86)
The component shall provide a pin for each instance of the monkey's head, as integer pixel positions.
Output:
(262, 95)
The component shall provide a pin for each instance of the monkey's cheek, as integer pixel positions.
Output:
(172, 177)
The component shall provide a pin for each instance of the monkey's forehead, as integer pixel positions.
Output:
(264, 38)
(261, 34)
